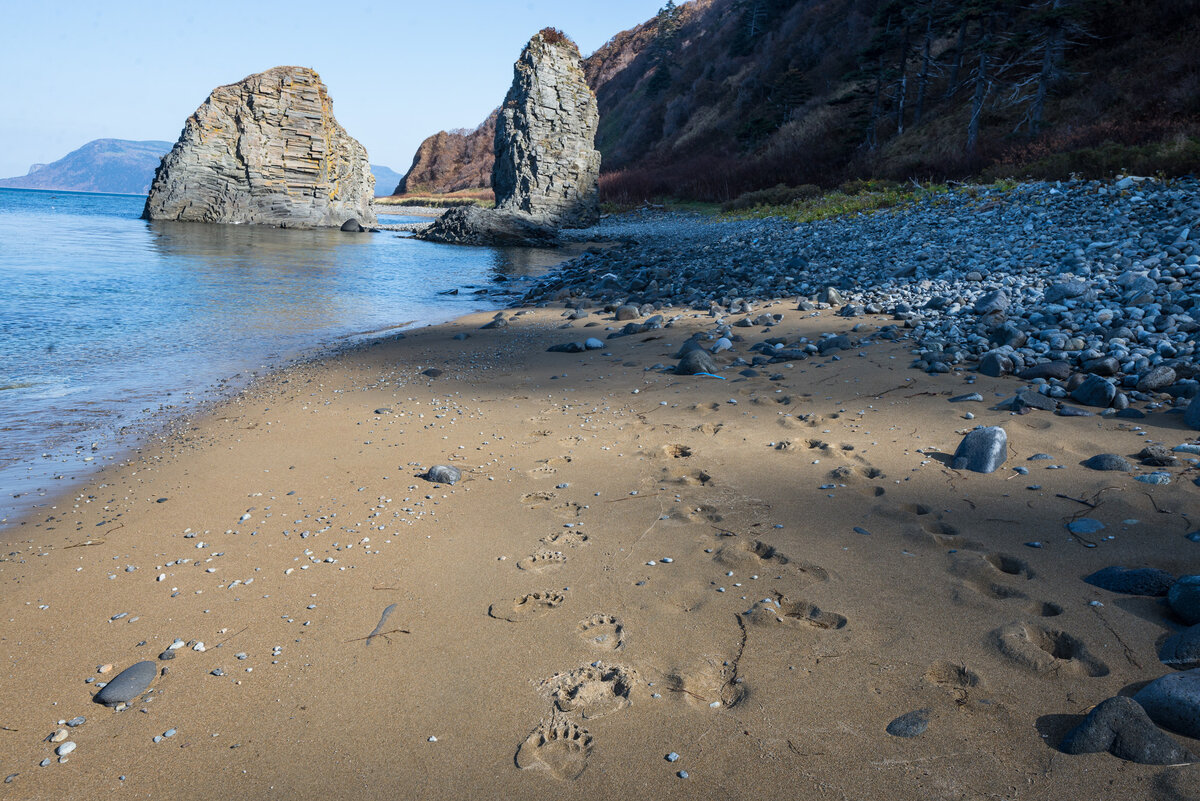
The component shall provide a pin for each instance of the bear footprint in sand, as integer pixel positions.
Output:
(527, 607)
(593, 690)
(567, 537)
(1047, 651)
(757, 555)
(602, 631)
(560, 747)
(795, 614)
(539, 561)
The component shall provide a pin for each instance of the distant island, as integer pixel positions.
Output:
(119, 166)
(123, 167)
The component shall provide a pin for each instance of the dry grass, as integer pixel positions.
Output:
(466, 197)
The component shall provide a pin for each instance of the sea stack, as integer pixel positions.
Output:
(265, 150)
(547, 166)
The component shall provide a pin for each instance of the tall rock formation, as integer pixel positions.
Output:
(265, 150)
(450, 161)
(547, 166)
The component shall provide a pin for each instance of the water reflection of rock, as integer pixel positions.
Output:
(280, 279)
(532, 262)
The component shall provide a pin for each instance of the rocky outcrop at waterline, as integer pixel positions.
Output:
(265, 150)
(547, 165)
(546, 170)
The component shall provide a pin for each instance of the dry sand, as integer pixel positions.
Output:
(531, 634)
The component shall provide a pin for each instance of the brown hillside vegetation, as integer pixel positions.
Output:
(452, 161)
(715, 98)
(736, 95)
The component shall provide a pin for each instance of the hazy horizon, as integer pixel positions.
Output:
(396, 73)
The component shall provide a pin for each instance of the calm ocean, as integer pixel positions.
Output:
(106, 318)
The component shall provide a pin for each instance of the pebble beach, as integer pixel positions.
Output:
(896, 505)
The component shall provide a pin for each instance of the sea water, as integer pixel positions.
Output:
(109, 322)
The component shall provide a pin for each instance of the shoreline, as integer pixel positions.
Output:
(768, 569)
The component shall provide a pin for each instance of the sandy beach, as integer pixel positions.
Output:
(756, 575)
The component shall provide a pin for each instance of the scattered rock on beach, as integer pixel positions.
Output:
(696, 361)
(127, 685)
(910, 724)
(1182, 651)
(1184, 598)
(1157, 456)
(982, 450)
(1095, 391)
(1173, 702)
(1108, 461)
(1132, 581)
(444, 474)
(1121, 727)
(627, 312)
(1191, 415)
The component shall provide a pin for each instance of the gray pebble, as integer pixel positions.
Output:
(910, 724)
(1184, 598)
(127, 685)
(1182, 651)
(1108, 461)
(1136, 581)
(1173, 702)
(982, 450)
(444, 474)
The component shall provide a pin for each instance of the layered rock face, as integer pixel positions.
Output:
(450, 161)
(265, 150)
(547, 166)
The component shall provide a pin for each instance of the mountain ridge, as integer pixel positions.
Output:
(114, 166)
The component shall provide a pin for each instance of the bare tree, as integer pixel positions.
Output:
(982, 78)
(927, 63)
(1057, 24)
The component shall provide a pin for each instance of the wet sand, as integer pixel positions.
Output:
(757, 575)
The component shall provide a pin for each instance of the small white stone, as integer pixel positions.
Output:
(65, 748)
(198, 647)
(433, 739)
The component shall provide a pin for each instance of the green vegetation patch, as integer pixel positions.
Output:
(853, 197)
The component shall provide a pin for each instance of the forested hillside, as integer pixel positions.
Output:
(714, 98)
(725, 96)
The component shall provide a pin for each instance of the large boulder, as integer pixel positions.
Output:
(1122, 727)
(266, 150)
(547, 165)
(471, 225)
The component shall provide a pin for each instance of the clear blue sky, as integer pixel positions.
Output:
(398, 71)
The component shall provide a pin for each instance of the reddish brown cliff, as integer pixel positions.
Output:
(450, 161)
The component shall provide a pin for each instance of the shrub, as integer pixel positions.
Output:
(779, 195)
(555, 37)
